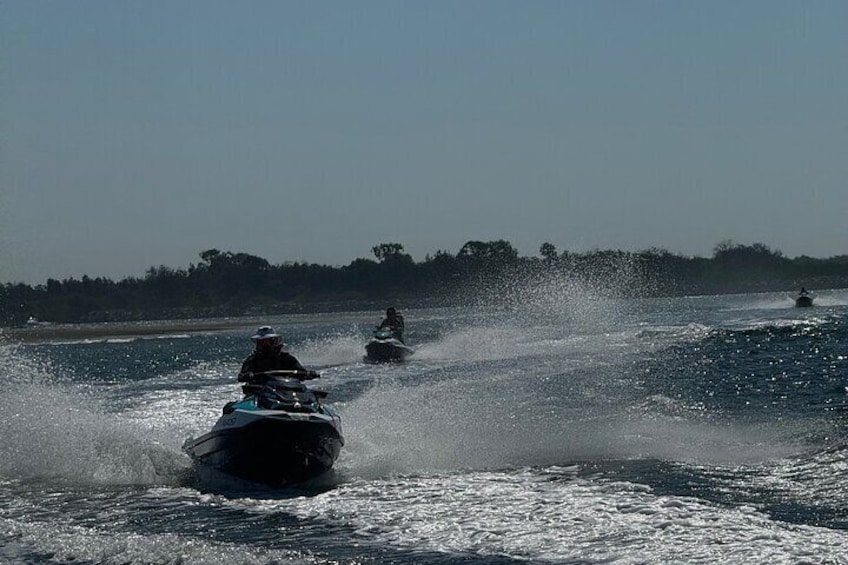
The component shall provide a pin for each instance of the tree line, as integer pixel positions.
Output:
(228, 283)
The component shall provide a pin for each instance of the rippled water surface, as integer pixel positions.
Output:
(562, 429)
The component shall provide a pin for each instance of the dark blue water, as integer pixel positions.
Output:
(552, 428)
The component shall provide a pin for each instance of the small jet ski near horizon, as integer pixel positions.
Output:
(804, 299)
(385, 347)
(279, 434)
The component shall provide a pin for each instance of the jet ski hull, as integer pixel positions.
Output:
(270, 447)
(804, 301)
(386, 351)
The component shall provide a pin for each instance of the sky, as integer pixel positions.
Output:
(139, 134)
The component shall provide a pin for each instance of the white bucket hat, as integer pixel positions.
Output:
(265, 332)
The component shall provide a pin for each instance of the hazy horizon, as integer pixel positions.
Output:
(140, 134)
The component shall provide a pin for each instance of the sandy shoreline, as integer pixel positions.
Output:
(53, 332)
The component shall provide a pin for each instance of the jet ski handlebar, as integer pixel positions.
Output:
(265, 376)
(268, 382)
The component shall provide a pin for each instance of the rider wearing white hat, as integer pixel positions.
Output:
(269, 356)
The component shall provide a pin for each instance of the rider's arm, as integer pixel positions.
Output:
(246, 371)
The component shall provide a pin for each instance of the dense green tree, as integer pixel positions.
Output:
(389, 252)
(492, 252)
(228, 283)
(548, 251)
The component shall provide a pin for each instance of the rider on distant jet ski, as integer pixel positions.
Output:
(394, 322)
(269, 356)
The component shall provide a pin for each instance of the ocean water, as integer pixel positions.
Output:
(554, 427)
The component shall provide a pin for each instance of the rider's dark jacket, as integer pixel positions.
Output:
(271, 359)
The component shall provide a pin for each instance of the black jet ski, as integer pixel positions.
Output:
(278, 434)
(804, 301)
(385, 347)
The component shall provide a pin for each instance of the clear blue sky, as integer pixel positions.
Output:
(138, 134)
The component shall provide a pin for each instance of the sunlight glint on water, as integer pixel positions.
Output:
(554, 428)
